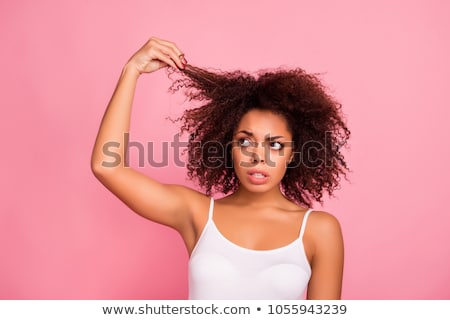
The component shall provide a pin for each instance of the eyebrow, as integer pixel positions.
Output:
(250, 134)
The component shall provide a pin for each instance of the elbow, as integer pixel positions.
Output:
(104, 163)
(96, 168)
(105, 174)
(100, 168)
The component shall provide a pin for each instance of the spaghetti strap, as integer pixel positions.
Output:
(305, 219)
(211, 209)
(222, 269)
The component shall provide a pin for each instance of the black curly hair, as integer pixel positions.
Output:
(313, 117)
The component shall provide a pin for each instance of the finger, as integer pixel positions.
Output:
(183, 59)
(165, 59)
(169, 44)
(172, 49)
(169, 52)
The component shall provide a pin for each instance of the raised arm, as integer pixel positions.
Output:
(170, 205)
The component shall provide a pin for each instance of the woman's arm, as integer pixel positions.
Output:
(327, 259)
(166, 204)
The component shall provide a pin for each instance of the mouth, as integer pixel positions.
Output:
(258, 176)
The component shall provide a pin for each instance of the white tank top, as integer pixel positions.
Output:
(220, 269)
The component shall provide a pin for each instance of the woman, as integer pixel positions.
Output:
(270, 145)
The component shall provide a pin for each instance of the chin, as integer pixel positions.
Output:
(261, 188)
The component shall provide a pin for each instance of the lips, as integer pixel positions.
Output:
(257, 176)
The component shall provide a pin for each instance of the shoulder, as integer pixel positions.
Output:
(323, 232)
(323, 222)
(325, 251)
(195, 201)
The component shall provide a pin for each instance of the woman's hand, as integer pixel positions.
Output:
(156, 54)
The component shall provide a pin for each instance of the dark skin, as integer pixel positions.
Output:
(257, 216)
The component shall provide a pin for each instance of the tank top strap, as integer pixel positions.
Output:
(211, 209)
(305, 219)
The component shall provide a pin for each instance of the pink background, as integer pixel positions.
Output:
(63, 236)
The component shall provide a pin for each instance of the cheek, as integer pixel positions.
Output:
(281, 168)
(280, 162)
(240, 155)
(281, 157)
(237, 158)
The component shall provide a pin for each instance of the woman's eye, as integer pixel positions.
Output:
(276, 145)
(244, 142)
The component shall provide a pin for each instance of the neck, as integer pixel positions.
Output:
(265, 199)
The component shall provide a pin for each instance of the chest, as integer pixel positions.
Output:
(258, 230)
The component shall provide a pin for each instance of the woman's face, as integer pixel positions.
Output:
(262, 149)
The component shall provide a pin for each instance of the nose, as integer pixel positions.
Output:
(258, 153)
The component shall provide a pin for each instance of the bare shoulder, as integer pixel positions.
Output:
(326, 254)
(323, 232)
(187, 192)
(196, 201)
(322, 223)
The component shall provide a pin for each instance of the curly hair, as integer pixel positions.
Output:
(314, 118)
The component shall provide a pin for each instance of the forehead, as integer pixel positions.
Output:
(264, 122)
